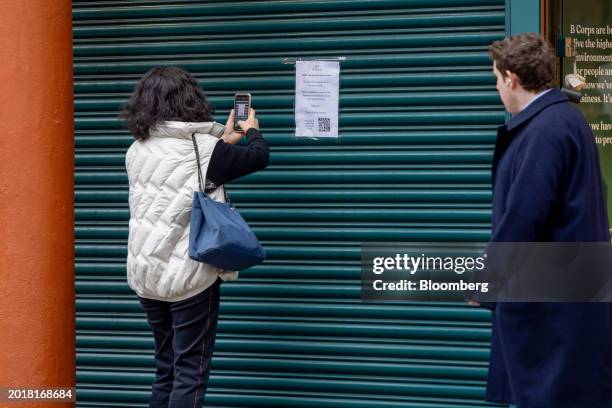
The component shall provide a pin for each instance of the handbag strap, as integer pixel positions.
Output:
(201, 183)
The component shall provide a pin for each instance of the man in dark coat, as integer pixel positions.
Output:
(547, 187)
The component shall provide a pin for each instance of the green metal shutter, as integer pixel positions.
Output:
(418, 117)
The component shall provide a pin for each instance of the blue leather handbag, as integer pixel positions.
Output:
(218, 235)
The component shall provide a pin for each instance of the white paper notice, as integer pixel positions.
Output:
(317, 85)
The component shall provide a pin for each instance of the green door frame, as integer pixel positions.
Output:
(523, 16)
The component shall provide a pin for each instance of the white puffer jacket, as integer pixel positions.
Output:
(162, 175)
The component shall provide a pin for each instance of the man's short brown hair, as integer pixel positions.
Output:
(530, 57)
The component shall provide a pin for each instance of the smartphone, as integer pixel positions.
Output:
(242, 105)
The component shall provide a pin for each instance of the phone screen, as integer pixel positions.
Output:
(241, 108)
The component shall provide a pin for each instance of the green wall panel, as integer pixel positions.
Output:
(418, 113)
(523, 16)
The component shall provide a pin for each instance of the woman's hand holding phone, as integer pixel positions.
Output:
(232, 136)
(251, 121)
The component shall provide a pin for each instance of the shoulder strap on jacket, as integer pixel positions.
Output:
(201, 183)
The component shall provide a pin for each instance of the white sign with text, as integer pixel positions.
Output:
(317, 85)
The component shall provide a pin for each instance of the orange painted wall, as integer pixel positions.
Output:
(37, 313)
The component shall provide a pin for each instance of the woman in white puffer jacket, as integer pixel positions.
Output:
(179, 295)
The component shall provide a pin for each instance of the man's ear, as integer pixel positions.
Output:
(511, 79)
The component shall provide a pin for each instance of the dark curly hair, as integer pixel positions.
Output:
(530, 57)
(164, 93)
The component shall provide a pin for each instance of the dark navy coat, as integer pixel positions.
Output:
(547, 187)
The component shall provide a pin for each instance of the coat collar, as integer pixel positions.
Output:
(554, 96)
(184, 130)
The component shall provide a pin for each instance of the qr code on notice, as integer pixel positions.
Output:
(324, 125)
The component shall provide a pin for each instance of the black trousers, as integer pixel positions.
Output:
(184, 334)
